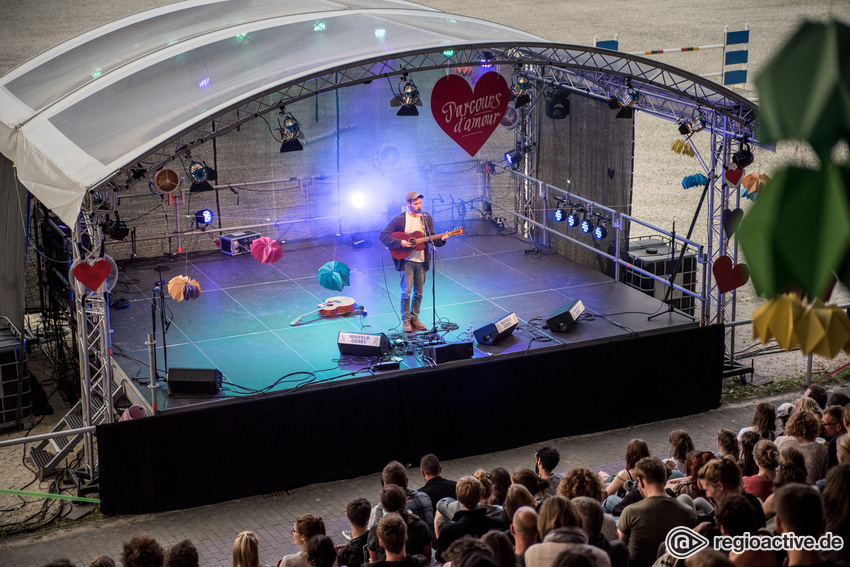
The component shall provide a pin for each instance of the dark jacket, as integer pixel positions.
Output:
(396, 224)
(438, 488)
(466, 522)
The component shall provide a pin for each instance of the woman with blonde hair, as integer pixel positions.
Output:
(246, 550)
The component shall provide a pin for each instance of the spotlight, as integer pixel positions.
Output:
(572, 218)
(514, 158)
(560, 214)
(290, 132)
(408, 98)
(557, 104)
(692, 125)
(520, 89)
(625, 102)
(586, 224)
(486, 59)
(201, 175)
(166, 181)
(115, 229)
(743, 157)
(600, 232)
(203, 218)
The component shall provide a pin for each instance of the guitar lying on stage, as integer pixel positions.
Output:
(417, 242)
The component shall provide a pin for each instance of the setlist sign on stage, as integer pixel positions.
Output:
(470, 117)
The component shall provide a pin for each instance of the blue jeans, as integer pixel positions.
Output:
(412, 279)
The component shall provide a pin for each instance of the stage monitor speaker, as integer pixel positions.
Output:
(448, 352)
(194, 380)
(498, 329)
(363, 344)
(565, 316)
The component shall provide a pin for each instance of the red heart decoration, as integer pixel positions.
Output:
(733, 176)
(470, 117)
(92, 276)
(727, 277)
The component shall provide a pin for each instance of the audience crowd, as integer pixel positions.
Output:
(787, 472)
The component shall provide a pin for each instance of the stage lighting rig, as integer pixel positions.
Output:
(514, 158)
(201, 175)
(290, 131)
(521, 88)
(407, 98)
(744, 156)
(693, 125)
(560, 213)
(115, 229)
(626, 101)
(557, 103)
(600, 231)
(203, 218)
(573, 217)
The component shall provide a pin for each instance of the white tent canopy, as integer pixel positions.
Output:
(75, 114)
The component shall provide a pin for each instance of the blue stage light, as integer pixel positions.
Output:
(203, 218)
(600, 231)
(560, 214)
(572, 219)
(585, 225)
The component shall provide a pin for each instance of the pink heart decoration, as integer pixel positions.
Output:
(470, 117)
(733, 176)
(731, 220)
(727, 277)
(92, 276)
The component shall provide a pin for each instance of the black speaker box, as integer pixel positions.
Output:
(565, 316)
(448, 352)
(496, 330)
(194, 380)
(363, 344)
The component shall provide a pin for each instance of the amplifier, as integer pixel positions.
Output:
(448, 352)
(495, 331)
(363, 344)
(236, 243)
(194, 380)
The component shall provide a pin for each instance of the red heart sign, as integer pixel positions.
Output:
(733, 176)
(92, 276)
(727, 277)
(469, 117)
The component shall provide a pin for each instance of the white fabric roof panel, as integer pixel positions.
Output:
(75, 114)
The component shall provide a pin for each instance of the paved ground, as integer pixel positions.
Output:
(213, 528)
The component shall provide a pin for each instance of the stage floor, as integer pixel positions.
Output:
(241, 322)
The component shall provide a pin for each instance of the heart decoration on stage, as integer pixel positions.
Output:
(731, 220)
(92, 275)
(733, 176)
(470, 117)
(727, 277)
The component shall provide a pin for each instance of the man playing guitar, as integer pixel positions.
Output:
(412, 268)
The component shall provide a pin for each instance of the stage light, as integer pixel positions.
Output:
(557, 104)
(743, 157)
(380, 34)
(520, 89)
(117, 229)
(448, 53)
(586, 224)
(514, 158)
(600, 232)
(358, 200)
(166, 181)
(290, 132)
(572, 218)
(200, 174)
(486, 59)
(319, 25)
(407, 99)
(693, 124)
(203, 218)
(625, 102)
(560, 214)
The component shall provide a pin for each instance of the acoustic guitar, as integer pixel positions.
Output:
(417, 241)
(333, 306)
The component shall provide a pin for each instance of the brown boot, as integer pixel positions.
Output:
(406, 327)
(417, 324)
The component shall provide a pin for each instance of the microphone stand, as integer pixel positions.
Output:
(433, 277)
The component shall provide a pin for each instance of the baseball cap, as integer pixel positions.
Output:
(413, 195)
(784, 410)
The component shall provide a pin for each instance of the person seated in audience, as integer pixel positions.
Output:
(727, 444)
(747, 459)
(735, 516)
(836, 507)
(357, 513)
(142, 551)
(592, 520)
(394, 500)
(582, 482)
(524, 532)
(501, 482)
(436, 487)
(246, 550)
(807, 404)
(102, 561)
(559, 526)
(471, 520)
(783, 412)
(764, 422)
(708, 557)
(469, 550)
(792, 468)
(800, 433)
(799, 510)
(844, 450)
(448, 507)
(417, 501)
(321, 551)
(689, 485)
(306, 526)
(545, 460)
(761, 484)
(182, 554)
(838, 399)
(818, 394)
(680, 445)
(574, 557)
(518, 496)
(616, 488)
(644, 525)
(721, 478)
(528, 478)
(833, 428)
(392, 535)
(501, 547)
